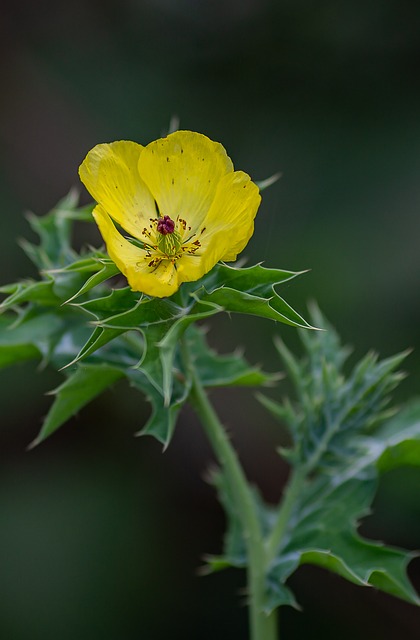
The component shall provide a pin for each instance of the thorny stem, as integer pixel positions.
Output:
(262, 626)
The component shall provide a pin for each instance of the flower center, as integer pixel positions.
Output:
(165, 225)
(168, 239)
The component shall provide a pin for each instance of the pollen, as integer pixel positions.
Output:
(168, 240)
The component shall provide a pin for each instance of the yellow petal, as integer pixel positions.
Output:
(133, 262)
(229, 225)
(110, 174)
(183, 171)
(239, 198)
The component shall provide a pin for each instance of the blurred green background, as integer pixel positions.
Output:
(101, 534)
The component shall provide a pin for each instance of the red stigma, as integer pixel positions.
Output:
(165, 225)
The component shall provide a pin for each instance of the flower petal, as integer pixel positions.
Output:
(133, 262)
(109, 172)
(183, 171)
(228, 225)
(239, 199)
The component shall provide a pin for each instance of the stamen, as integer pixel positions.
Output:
(163, 241)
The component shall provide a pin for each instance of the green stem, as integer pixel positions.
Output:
(262, 627)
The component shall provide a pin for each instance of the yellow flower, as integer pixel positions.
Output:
(181, 202)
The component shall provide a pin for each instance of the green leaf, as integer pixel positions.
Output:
(103, 268)
(112, 304)
(162, 422)
(97, 339)
(145, 312)
(54, 231)
(15, 347)
(337, 471)
(234, 547)
(215, 370)
(334, 410)
(365, 564)
(87, 382)
(85, 321)
(389, 446)
(278, 595)
(343, 440)
(150, 364)
(274, 308)
(322, 531)
(13, 354)
(33, 334)
(235, 554)
(250, 291)
(284, 413)
(28, 291)
(119, 300)
(257, 280)
(169, 343)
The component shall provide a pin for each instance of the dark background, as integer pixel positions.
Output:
(101, 533)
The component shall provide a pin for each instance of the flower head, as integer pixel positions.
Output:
(181, 202)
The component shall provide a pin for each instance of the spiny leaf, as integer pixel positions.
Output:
(101, 268)
(54, 231)
(234, 547)
(98, 339)
(333, 410)
(145, 312)
(217, 370)
(90, 263)
(115, 302)
(162, 422)
(29, 291)
(366, 564)
(273, 308)
(322, 528)
(257, 280)
(283, 411)
(169, 343)
(15, 348)
(343, 439)
(150, 364)
(81, 387)
(249, 290)
(36, 334)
